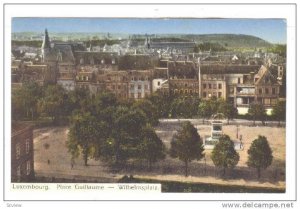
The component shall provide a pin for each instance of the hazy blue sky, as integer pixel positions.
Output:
(272, 30)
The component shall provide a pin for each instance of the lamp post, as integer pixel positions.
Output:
(204, 165)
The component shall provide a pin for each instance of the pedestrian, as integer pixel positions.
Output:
(72, 163)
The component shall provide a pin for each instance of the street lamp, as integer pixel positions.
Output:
(204, 165)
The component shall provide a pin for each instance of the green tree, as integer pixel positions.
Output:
(187, 145)
(228, 110)
(260, 154)
(224, 154)
(205, 110)
(149, 109)
(151, 147)
(25, 100)
(79, 98)
(125, 136)
(279, 111)
(84, 134)
(185, 107)
(162, 103)
(52, 103)
(257, 111)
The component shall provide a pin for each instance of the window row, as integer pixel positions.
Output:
(133, 78)
(212, 86)
(185, 91)
(19, 150)
(139, 86)
(267, 91)
(211, 94)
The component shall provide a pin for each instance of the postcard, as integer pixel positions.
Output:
(150, 102)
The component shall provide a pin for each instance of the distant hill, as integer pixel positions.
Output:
(225, 40)
(230, 40)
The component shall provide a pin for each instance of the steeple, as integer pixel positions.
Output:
(46, 41)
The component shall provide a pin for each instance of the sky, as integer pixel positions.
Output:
(272, 30)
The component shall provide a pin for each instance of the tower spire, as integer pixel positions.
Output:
(46, 41)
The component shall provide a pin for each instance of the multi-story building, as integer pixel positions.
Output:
(84, 78)
(22, 161)
(139, 84)
(115, 82)
(184, 86)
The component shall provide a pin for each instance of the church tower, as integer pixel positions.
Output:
(45, 46)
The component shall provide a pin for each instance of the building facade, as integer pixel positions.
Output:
(22, 161)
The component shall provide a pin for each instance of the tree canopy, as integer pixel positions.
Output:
(224, 154)
(187, 145)
(257, 112)
(260, 154)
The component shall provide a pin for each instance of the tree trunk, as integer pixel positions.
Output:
(186, 168)
(85, 160)
(224, 171)
(85, 155)
(258, 173)
(31, 113)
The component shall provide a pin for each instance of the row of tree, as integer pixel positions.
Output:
(32, 101)
(187, 146)
(125, 135)
(115, 132)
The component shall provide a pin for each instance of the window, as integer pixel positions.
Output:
(19, 173)
(204, 86)
(28, 168)
(273, 91)
(266, 90)
(132, 95)
(209, 86)
(186, 91)
(139, 86)
(158, 83)
(18, 150)
(131, 86)
(146, 86)
(119, 86)
(139, 95)
(27, 146)
(239, 80)
(220, 86)
(219, 94)
(267, 101)
(185, 85)
(260, 91)
(214, 86)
